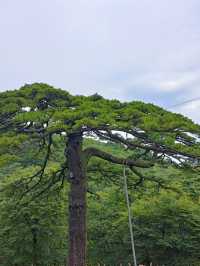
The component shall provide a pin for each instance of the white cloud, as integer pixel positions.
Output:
(190, 109)
(185, 79)
(124, 49)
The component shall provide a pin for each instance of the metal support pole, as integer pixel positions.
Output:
(129, 216)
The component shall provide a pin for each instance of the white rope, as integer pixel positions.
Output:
(129, 216)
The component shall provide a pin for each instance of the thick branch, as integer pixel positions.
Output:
(90, 152)
(148, 145)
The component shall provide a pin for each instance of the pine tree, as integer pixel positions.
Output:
(40, 113)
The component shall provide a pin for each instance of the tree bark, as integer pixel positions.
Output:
(34, 247)
(77, 202)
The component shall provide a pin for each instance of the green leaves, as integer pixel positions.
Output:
(35, 124)
(6, 159)
(56, 111)
(166, 223)
(42, 219)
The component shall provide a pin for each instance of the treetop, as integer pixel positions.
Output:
(39, 109)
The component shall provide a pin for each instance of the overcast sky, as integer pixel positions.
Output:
(126, 49)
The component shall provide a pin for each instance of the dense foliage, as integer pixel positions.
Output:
(43, 144)
(165, 207)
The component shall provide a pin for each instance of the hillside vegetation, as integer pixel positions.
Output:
(164, 204)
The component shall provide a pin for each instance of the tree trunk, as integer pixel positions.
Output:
(34, 247)
(77, 202)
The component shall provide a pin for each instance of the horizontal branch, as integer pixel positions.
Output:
(90, 152)
(147, 145)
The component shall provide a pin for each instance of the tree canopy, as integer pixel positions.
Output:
(43, 110)
(35, 116)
